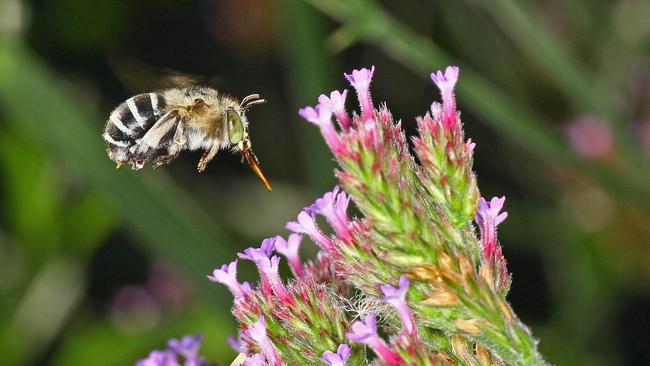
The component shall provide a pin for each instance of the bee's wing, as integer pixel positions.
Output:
(141, 77)
(159, 129)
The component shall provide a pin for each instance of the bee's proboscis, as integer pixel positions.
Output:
(251, 159)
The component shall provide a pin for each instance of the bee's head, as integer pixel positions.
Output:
(237, 130)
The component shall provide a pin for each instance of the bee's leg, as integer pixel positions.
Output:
(137, 164)
(179, 136)
(207, 156)
(165, 159)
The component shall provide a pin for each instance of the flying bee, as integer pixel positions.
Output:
(158, 126)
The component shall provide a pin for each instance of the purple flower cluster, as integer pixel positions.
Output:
(391, 281)
(186, 348)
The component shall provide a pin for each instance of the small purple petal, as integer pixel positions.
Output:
(446, 83)
(360, 80)
(321, 116)
(187, 346)
(257, 332)
(159, 358)
(254, 360)
(363, 332)
(290, 249)
(306, 224)
(338, 106)
(236, 344)
(397, 298)
(227, 275)
(340, 358)
(392, 294)
(488, 216)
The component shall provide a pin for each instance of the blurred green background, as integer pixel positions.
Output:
(98, 266)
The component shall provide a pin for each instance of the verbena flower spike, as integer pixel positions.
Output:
(418, 278)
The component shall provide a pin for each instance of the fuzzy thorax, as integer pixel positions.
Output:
(206, 119)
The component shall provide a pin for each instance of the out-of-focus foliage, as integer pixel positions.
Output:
(98, 265)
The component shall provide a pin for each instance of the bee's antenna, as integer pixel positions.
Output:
(250, 101)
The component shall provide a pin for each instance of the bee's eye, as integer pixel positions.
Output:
(235, 127)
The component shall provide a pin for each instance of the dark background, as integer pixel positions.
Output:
(98, 266)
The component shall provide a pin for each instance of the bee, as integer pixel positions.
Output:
(158, 126)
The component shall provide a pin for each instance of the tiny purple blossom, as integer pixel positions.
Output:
(227, 275)
(257, 332)
(366, 333)
(290, 249)
(321, 116)
(333, 205)
(488, 216)
(187, 346)
(236, 344)
(268, 268)
(360, 80)
(340, 358)
(397, 298)
(306, 224)
(363, 332)
(261, 259)
(338, 106)
(254, 360)
(446, 83)
(268, 246)
(159, 358)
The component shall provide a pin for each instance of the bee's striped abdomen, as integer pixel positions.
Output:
(129, 122)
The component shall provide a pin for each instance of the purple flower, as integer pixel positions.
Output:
(306, 224)
(254, 360)
(338, 106)
(360, 80)
(321, 116)
(446, 83)
(188, 346)
(340, 358)
(266, 248)
(366, 333)
(289, 248)
(159, 358)
(236, 344)
(397, 298)
(257, 332)
(488, 216)
(227, 275)
(267, 267)
(334, 205)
